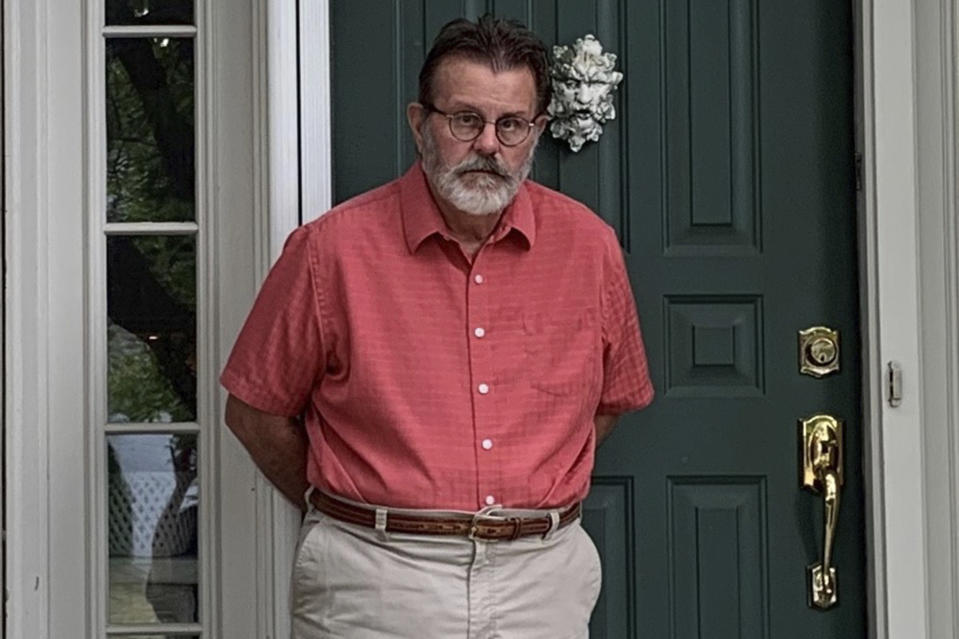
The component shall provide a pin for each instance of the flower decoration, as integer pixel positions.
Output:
(583, 85)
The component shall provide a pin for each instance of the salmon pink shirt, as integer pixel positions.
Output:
(429, 380)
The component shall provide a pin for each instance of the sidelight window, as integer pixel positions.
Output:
(148, 327)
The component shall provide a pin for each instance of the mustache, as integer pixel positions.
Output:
(479, 163)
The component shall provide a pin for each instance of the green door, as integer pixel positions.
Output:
(729, 175)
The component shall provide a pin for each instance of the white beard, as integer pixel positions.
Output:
(473, 194)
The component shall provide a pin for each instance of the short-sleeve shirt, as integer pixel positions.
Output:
(426, 379)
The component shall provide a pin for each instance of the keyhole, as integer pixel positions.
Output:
(822, 351)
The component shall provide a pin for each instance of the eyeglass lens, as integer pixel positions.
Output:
(467, 126)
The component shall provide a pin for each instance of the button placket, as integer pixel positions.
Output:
(482, 370)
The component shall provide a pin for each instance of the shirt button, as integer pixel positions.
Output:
(479, 331)
(487, 444)
(478, 278)
(490, 500)
(483, 388)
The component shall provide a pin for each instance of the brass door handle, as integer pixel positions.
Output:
(822, 440)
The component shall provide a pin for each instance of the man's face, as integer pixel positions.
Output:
(479, 177)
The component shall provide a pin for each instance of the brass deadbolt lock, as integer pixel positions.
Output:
(818, 351)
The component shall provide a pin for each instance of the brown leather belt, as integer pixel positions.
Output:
(473, 526)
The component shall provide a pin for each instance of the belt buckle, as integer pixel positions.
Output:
(478, 518)
(474, 527)
(517, 523)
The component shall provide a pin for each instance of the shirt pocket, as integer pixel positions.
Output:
(562, 351)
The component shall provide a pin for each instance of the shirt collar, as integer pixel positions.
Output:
(422, 217)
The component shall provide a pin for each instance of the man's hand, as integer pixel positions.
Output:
(604, 426)
(277, 444)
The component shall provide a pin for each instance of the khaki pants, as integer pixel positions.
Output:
(352, 582)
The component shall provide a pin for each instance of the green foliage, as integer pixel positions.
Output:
(151, 178)
(150, 130)
(172, 262)
(138, 391)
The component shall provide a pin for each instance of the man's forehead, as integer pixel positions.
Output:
(464, 79)
(457, 64)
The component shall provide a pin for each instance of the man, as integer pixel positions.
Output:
(456, 343)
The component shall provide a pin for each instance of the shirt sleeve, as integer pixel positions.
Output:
(626, 382)
(279, 356)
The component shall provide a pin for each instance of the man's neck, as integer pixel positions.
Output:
(470, 228)
(470, 231)
(465, 227)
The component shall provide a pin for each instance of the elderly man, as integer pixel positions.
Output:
(432, 365)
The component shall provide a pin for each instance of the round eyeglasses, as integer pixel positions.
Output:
(466, 126)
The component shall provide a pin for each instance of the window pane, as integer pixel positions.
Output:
(151, 172)
(149, 12)
(151, 328)
(153, 497)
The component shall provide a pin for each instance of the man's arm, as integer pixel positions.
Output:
(277, 444)
(604, 426)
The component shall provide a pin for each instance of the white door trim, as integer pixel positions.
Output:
(910, 314)
(301, 189)
(892, 303)
(872, 390)
(26, 312)
(45, 578)
(292, 184)
(315, 108)
(934, 37)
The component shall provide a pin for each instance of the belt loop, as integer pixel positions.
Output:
(517, 527)
(380, 522)
(306, 497)
(553, 524)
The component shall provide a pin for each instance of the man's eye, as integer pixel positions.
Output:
(510, 124)
(468, 120)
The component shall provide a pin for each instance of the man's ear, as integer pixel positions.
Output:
(539, 125)
(416, 116)
(540, 122)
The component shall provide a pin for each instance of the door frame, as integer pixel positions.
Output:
(910, 128)
(35, 259)
(301, 189)
(909, 249)
(936, 141)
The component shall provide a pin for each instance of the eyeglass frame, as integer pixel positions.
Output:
(530, 124)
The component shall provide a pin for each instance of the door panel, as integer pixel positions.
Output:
(728, 174)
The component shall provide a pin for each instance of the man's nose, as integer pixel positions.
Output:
(486, 142)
